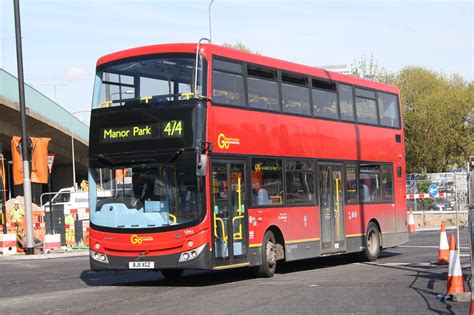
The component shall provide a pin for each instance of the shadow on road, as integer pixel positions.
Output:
(325, 262)
(199, 278)
(425, 289)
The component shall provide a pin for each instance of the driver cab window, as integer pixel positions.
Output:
(63, 197)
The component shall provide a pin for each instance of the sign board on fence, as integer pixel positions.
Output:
(433, 190)
(50, 162)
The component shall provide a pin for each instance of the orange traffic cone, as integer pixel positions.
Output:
(455, 278)
(443, 253)
(411, 222)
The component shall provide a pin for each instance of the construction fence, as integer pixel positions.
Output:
(72, 225)
(451, 205)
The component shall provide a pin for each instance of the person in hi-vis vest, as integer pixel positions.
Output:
(17, 215)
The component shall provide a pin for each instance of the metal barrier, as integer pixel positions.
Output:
(454, 188)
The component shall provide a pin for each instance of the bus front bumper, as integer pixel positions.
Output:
(203, 260)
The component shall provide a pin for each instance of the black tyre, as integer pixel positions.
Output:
(269, 257)
(372, 242)
(172, 274)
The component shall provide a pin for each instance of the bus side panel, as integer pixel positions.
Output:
(236, 131)
(301, 242)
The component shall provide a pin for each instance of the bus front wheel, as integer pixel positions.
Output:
(269, 256)
(372, 242)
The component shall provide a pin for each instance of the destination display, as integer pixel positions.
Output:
(161, 130)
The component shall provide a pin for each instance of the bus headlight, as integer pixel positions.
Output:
(191, 254)
(99, 257)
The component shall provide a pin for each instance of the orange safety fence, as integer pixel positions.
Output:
(39, 229)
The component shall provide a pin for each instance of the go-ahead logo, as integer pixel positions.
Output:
(224, 142)
(137, 240)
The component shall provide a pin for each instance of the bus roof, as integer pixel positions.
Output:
(216, 50)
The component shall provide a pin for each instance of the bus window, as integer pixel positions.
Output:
(369, 183)
(147, 80)
(228, 83)
(146, 195)
(387, 183)
(263, 89)
(366, 107)
(267, 182)
(351, 184)
(346, 102)
(388, 110)
(295, 95)
(324, 100)
(299, 181)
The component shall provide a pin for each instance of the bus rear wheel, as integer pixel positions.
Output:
(372, 242)
(172, 274)
(269, 256)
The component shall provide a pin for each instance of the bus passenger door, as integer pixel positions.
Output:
(331, 201)
(229, 213)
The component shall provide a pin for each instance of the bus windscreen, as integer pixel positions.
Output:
(146, 195)
(146, 79)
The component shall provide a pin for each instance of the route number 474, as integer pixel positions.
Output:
(173, 128)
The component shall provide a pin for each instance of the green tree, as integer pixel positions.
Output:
(438, 112)
(368, 68)
(240, 46)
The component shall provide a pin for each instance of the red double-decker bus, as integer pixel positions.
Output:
(216, 158)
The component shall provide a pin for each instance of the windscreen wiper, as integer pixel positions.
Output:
(176, 155)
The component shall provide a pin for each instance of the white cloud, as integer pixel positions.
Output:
(75, 73)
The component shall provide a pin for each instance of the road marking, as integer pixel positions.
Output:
(425, 246)
(425, 264)
(402, 264)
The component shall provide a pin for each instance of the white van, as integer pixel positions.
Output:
(73, 199)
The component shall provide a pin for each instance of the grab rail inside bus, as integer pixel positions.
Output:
(238, 235)
(224, 236)
(173, 217)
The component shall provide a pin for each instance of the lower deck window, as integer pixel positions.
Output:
(369, 183)
(267, 182)
(299, 182)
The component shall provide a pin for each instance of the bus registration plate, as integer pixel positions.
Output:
(141, 265)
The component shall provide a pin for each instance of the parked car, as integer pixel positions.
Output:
(441, 204)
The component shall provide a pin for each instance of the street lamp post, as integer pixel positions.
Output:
(210, 22)
(73, 151)
(30, 244)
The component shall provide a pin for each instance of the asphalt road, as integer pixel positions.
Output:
(403, 280)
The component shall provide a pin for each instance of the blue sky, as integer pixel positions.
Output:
(63, 39)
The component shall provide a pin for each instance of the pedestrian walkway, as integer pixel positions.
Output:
(51, 255)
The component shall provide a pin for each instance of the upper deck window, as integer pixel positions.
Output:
(146, 79)
(295, 95)
(366, 106)
(227, 83)
(346, 102)
(263, 89)
(325, 99)
(388, 110)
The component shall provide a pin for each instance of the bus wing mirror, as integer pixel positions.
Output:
(201, 165)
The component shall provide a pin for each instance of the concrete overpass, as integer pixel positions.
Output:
(45, 118)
